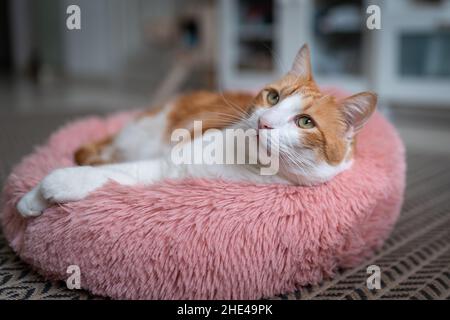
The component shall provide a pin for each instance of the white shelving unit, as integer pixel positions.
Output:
(414, 52)
(344, 52)
(232, 34)
(292, 25)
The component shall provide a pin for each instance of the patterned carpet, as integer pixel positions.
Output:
(414, 262)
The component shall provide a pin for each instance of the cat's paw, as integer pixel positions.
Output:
(32, 204)
(71, 184)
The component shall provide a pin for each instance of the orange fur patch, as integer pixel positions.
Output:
(215, 110)
(90, 153)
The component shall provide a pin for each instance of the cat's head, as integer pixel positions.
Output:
(316, 130)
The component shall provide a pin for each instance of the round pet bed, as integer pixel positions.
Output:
(206, 239)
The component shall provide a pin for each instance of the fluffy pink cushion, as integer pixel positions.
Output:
(204, 239)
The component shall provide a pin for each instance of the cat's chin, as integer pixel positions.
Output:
(315, 175)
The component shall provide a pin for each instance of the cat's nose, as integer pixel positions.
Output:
(262, 124)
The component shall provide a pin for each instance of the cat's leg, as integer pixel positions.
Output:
(96, 153)
(32, 204)
(76, 183)
(140, 139)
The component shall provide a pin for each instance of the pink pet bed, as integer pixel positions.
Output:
(205, 239)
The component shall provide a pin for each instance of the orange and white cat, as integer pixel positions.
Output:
(316, 135)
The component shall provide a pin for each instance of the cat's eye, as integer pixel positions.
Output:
(305, 122)
(273, 97)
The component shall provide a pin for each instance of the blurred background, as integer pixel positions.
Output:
(137, 54)
(128, 51)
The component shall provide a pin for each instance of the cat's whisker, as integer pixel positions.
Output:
(292, 156)
(224, 119)
(278, 60)
(241, 116)
(233, 105)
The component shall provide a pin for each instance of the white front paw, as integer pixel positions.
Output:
(32, 204)
(71, 184)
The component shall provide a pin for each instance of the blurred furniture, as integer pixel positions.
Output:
(412, 54)
(259, 40)
(127, 54)
(406, 62)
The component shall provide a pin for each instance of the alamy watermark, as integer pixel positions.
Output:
(73, 21)
(228, 146)
(374, 280)
(373, 21)
(74, 280)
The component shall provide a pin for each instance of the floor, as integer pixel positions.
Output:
(415, 261)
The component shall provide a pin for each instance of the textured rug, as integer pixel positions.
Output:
(414, 262)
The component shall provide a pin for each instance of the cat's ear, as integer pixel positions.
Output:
(357, 109)
(301, 67)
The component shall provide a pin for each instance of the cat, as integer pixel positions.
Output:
(316, 139)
